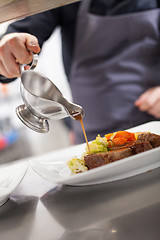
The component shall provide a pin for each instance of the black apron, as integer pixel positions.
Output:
(116, 59)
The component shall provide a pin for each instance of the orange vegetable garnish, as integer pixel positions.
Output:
(108, 136)
(119, 138)
(127, 135)
(119, 141)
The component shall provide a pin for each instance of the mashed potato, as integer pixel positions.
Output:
(77, 165)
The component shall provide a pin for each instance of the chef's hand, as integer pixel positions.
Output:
(15, 49)
(149, 102)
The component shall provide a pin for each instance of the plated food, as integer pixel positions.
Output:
(113, 147)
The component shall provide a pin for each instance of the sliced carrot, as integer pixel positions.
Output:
(119, 141)
(124, 134)
(108, 136)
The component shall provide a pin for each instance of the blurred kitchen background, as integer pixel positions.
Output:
(16, 140)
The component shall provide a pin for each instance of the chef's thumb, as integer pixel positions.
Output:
(32, 43)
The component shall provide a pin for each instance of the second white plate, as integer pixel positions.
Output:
(11, 174)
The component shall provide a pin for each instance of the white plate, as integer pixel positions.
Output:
(11, 175)
(53, 166)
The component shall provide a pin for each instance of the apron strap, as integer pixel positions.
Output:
(84, 7)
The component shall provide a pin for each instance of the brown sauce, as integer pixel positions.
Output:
(77, 116)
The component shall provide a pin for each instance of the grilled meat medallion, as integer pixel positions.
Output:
(116, 153)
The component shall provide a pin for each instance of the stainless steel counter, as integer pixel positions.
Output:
(128, 209)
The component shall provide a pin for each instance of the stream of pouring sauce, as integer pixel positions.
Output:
(77, 116)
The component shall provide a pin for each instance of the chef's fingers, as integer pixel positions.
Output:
(15, 49)
(148, 99)
(32, 43)
(21, 54)
(14, 44)
(24, 45)
(141, 101)
(11, 69)
(155, 111)
(4, 72)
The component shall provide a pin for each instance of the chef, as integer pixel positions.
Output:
(111, 54)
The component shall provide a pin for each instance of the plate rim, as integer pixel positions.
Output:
(67, 179)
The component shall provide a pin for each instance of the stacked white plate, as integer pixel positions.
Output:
(11, 175)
